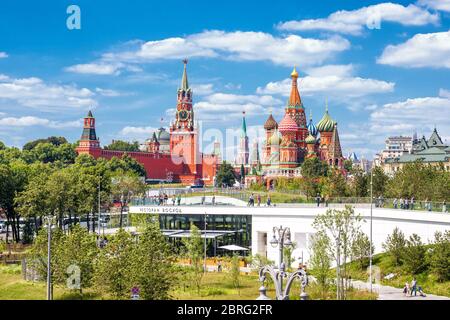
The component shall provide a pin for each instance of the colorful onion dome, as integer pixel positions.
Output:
(312, 128)
(287, 124)
(310, 139)
(326, 124)
(275, 139)
(270, 123)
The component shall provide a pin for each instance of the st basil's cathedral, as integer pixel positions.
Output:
(288, 143)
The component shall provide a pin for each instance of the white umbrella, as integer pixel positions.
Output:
(233, 247)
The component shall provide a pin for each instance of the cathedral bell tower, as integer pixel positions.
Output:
(183, 131)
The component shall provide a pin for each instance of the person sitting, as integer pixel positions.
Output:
(406, 289)
(421, 293)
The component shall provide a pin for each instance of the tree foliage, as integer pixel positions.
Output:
(225, 175)
(121, 145)
(439, 256)
(413, 255)
(395, 245)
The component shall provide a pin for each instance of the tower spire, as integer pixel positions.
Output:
(294, 97)
(244, 125)
(184, 79)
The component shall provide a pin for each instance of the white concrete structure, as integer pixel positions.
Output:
(300, 218)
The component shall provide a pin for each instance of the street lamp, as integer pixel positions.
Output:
(49, 221)
(370, 240)
(284, 239)
(204, 236)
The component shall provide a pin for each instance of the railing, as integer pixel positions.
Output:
(244, 195)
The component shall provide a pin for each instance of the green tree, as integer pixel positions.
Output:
(335, 185)
(225, 175)
(320, 260)
(153, 266)
(77, 249)
(439, 257)
(114, 267)
(360, 183)
(314, 167)
(380, 180)
(395, 245)
(126, 163)
(194, 250)
(343, 226)
(120, 145)
(2, 146)
(361, 249)
(124, 186)
(414, 255)
(56, 141)
(235, 273)
(242, 174)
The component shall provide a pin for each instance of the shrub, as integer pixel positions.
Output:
(394, 246)
(439, 256)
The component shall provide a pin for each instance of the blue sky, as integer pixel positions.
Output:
(384, 67)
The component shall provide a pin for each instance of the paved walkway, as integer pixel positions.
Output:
(391, 293)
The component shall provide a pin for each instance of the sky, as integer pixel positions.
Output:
(383, 67)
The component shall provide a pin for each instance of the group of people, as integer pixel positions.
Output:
(251, 200)
(407, 204)
(213, 200)
(413, 289)
(320, 199)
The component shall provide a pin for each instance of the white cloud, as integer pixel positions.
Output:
(237, 46)
(29, 121)
(109, 92)
(334, 80)
(35, 93)
(444, 93)
(412, 114)
(442, 5)
(203, 89)
(96, 68)
(137, 133)
(3, 55)
(228, 98)
(353, 22)
(422, 50)
(227, 106)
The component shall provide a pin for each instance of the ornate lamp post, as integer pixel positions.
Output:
(284, 238)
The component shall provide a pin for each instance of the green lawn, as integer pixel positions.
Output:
(214, 286)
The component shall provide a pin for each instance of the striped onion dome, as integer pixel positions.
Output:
(312, 128)
(270, 123)
(275, 139)
(326, 124)
(287, 124)
(310, 139)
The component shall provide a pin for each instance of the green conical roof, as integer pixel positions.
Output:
(90, 114)
(244, 126)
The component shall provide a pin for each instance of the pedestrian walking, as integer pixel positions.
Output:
(402, 203)
(213, 200)
(395, 203)
(179, 199)
(444, 207)
(259, 199)
(173, 199)
(412, 203)
(268, 201)
(414, 287)
(406, 204)
(318, 199)
(203, 200)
